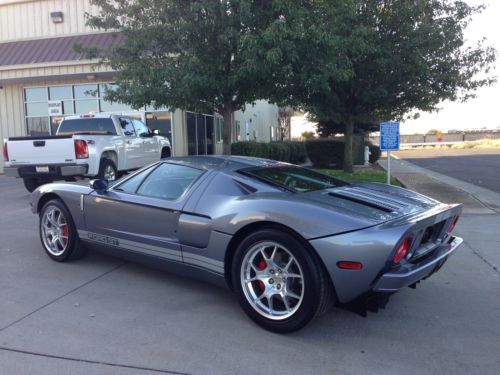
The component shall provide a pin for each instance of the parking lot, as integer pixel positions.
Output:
(101, 315)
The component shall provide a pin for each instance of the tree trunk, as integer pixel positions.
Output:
(349, 130)
(227, 134)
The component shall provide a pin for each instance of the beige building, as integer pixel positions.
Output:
(39, 67)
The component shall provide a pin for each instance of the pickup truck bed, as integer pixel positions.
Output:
(101, 145)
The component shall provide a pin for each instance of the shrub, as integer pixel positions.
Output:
(325, 152)
(287, 151)
(374, 152)
(298, 153)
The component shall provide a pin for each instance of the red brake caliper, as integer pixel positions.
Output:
(261, 266)
(65, 232)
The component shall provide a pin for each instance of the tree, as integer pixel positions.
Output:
(202, 55)
(404, 57)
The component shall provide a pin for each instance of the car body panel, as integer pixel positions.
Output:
(357, 222)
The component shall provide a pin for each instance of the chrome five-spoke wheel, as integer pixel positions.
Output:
(272, 280)
(55, 231)
(279, 281)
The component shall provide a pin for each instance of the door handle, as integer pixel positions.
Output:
(127, 142)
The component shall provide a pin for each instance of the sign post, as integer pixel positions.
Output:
(389, 141)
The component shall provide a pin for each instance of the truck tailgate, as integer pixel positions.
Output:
(50, 150)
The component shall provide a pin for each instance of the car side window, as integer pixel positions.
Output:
(128, 127)
(132, 184)
(141, 129)
(169, 181)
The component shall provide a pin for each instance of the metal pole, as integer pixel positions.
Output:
(388, 167)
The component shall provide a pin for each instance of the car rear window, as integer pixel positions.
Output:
(98, 126)
(292, 178)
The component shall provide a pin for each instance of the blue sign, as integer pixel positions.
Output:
(389, 136)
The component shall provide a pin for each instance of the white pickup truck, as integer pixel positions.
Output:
(102, 145)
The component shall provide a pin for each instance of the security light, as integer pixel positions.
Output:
(56, 17)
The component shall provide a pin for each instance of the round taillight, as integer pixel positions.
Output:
(402, 250)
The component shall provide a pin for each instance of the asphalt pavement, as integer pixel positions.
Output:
(480, 167)
(100, 315)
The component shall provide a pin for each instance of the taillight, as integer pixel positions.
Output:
(81, 149)
(402, 250)
(452, 225)
(5, 152)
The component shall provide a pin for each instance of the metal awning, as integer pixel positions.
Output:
(60, 49)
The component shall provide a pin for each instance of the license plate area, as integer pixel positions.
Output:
(42, 169)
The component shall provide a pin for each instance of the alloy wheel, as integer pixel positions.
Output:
(55, 231)
(272, 280)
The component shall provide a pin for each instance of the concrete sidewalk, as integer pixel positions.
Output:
(480, 221)
(476, 200)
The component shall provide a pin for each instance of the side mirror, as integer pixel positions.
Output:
(99, 185)
(156, 132)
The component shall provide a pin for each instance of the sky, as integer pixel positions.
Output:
(484, 110)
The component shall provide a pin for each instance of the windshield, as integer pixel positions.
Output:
(292, 178)
(95, 125)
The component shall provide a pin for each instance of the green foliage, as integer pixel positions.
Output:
(307, 135)
(403, 57)
(329, 152)
(287, 151)
(325, 152)
(361, 175)
(206, 55)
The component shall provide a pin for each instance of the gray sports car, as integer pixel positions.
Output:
(288, 240)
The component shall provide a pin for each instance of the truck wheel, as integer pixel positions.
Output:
(31, 184)
(107, 170)
(166, 153)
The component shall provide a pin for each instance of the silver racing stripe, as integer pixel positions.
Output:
(131, 245)
(205, 262)
(189, 258)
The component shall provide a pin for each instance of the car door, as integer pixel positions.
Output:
(133, 145)
(150, 150)
(141, 214)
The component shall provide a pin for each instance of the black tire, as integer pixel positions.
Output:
(74, 248)
(32, 183)
(317, 289)
(166, 153)
(107, 163)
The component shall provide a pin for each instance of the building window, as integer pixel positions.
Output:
(200, 134)
(74, 99)
(219, 129)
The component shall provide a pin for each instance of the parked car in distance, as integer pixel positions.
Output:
(288, 240)
(94, 145)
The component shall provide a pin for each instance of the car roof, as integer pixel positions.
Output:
(221, 162)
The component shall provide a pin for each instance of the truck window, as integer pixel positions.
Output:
(94, 125)
(128, 128)
(141, 129)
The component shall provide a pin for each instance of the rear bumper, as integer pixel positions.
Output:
(410, 274)
(56, 171)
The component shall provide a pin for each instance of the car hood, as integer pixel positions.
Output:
(372, 201)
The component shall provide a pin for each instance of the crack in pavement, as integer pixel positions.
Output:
(478, 254)
(81, 360)
(62, 296)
